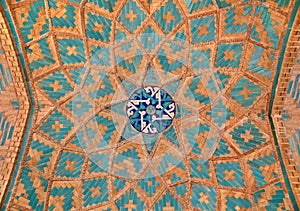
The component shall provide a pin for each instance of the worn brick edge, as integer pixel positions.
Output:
(22, 95)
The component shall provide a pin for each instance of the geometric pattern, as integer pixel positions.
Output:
(232, 200)
(95, 191)
(69, 165)
(64, 17)
(267, 27)
(131, 16)
(260, 62)
(41, 55)
(246, 136)
(166, 202)
(203, 197)
(214, 154)
(263, 167)
(42, 154)
(245, 92)
(168, 16)
(270, 198)
(235, 21)
(63, 196)
(57, 126)
(203, 29)
(56, 85)
(33, 188)
(229, 174)
(229, 55)
(32, 20)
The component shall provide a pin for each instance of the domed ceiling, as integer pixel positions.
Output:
(149, 105)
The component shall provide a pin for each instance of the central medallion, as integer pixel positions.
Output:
(150, 110)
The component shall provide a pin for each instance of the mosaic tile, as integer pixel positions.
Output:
(235, 22)
(199, 90)
(71, 50)
(268, 27)
(203, 29)
(201, 59)
(150, 37)
(64, 196)
(42, 154)
(221, 113)
(168, 201)
(98, 27)
(44, 106)
(131, 16)
(99, 163)
(79, 106)
(130, 201)
(200, 170)
(168, 16)
(74, 144)
(260, 62)
(229, 55)
(189, 164)
(232, 200)
(150, 184)
(282, 5)
(102, 131)
(171, 66)
(130, 60)
(245, 92)
(129, 160)
(103, 5)
(224, 150)
(169, 164)
(76, 74)
(229, 174)
(95, 191)
(195, 133)
(100, 55)
(57, 126)
(263, 168)
(181, 191)
(69, 164)
(33, 188)
(198, 5)
(119, 185)
(181, 35)
(56, 85)
(203, 197)
(64, 17)
(270, 198)
(228, 3)
(246, 135)
(41, 55)
(32, 20)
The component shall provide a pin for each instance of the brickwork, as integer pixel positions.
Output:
(286, 108)
(217, 153)
(14, 105)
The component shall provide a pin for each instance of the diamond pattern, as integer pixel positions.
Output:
(131, 16)
(98, 27)
(229, 174)
(57, 126)
(246, 136)
(168, 16)
(203, 29)
(245, 92)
